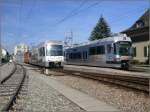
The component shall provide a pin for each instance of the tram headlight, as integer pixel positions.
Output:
(48, 47)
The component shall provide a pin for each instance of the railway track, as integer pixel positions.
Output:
(128, 82)
(10, 87)
(9, 75)
(136, 83)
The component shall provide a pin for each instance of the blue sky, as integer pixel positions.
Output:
(34, 21)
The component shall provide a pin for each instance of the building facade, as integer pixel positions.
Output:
(19, 51)
(21, 48)
(139, 33)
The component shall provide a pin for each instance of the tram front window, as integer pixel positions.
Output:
(54, 50)
(123, 48)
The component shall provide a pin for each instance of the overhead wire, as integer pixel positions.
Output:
(77, 12)
(124, 16)
(73, 11)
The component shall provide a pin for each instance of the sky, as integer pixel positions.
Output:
(35, 21)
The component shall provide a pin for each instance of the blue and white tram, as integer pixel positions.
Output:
(48, 54)
(108, 52)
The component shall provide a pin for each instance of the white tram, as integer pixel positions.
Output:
(47, 54)
(108, 52)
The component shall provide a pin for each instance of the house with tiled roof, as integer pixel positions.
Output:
(139, 33)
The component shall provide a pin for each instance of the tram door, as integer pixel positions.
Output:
(109, 55)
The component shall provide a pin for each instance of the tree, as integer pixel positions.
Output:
(101, 30)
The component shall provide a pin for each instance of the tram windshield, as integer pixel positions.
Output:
(54, 50)
(123, 48)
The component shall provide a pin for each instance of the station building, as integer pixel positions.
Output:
(19, 51)
(139, 33)
(20, 48)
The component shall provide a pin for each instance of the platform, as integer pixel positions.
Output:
(85, 101)
(110, 71)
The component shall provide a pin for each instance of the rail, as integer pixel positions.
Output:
(14, 96)
(8, 76)
(141, 84)
(137, 83)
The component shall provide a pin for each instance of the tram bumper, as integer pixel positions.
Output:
(125, 65)
(123, 62)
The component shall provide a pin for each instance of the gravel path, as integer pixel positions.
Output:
(126, 99)
(42, 97)
(22, 96)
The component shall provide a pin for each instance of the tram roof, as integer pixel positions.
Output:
(115, 38)
(49, 42)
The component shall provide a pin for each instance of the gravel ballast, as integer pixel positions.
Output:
(125, 99)
(42, 97)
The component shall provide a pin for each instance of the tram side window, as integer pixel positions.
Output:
(64, 54)
(115, 49)
(67, 55)
(70, 56)
(42, 51)
(108, 48)
(92, 50)
(84, 54)
(79, 55)
(76, 55)
(134, 51)
(100, 49)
